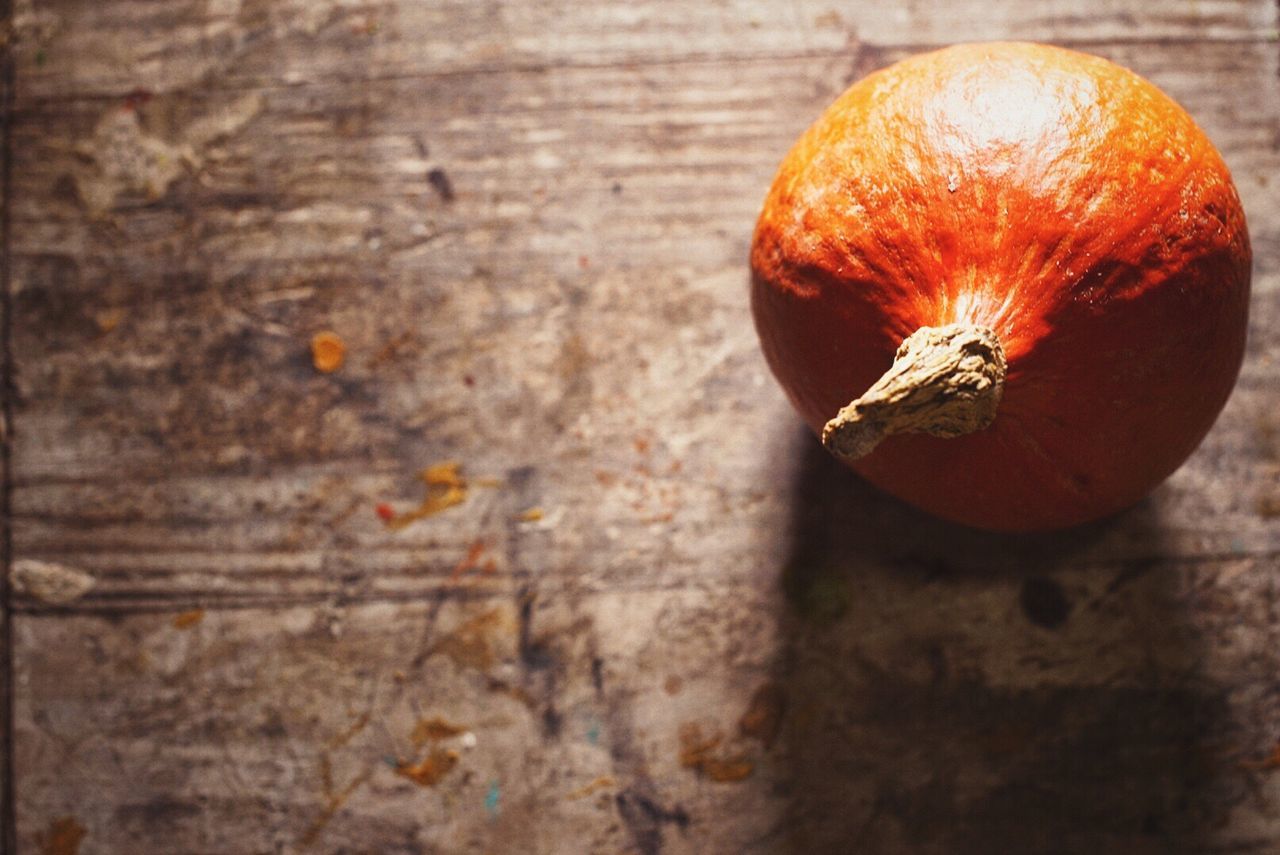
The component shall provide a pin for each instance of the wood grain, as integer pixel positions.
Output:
(528, 222)
(153, 436)
(73, 48)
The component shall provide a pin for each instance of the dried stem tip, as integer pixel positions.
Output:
(945, 381)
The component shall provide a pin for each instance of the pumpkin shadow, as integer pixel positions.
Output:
(956, 692)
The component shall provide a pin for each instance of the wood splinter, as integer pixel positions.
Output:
(945, 381)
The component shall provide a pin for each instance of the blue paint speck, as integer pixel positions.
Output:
(493, 798)
(593, 734)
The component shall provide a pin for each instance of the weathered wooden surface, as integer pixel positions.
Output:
(529, 223)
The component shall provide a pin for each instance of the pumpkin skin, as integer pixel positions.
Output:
(1054, 197)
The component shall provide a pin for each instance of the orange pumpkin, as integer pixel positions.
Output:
(1053, 251)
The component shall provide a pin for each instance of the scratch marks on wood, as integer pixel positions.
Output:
(638, 803)
(542, 668)
(597, 675)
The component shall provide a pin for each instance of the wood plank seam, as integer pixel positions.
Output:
(131, 602)
(212, 86)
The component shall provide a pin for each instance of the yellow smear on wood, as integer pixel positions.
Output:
(445, 488)
(471, 644)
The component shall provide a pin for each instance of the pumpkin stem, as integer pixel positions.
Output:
(945, 381)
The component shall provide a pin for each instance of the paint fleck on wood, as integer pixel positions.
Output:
(701, 754)
(1267, 763)
(604, 782)
(334, 799)
(763, 717)
(327, 351)
(445, 488)
(431, 769)
(63, 837)
(472, 644)
(475, 559)
(434, 730)
(187, 619)
(493, 799)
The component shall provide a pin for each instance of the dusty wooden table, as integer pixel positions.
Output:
(661, 620)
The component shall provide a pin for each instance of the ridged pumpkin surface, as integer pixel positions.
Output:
(1054, 197)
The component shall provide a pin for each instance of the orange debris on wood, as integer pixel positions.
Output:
(108, 319)
(63, 837)
(697, 753)
(391, 349)
(601, 783)
(434, 730)
(1271, 761)
(470, 561)
(139, 97)
(327, 351)
(470, 645)
(431, 770)
(347, 735)
(532, 514)
(516, 693)
(726, 771)
(333, 800)
(188, 619)
(763, 717)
